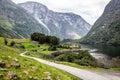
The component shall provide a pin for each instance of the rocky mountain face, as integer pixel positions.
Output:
(15, 22)
(63, 25)
(106, 29)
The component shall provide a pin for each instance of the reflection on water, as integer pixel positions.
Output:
(103, 52)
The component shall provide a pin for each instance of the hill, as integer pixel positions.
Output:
(15, 67)
(106, 29)
(15, 22)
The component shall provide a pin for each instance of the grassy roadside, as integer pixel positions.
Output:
(28, 68)
(116, 69)
(40, 55)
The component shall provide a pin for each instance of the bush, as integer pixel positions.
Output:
(12, 43)
(22, 46)
(52, 48)
(116, 62)
(69, 57)
(5, 41)
(82, 58)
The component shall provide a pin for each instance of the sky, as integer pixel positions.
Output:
(90, 10)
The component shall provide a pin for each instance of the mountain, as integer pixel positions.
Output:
(15, 22)
(106, 29)
(63, 25)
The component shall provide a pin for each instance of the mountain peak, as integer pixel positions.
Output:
(63, 25)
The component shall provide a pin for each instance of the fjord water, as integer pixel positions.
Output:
(102, 51)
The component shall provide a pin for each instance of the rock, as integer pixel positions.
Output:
(2, 64)
(13, 76)
(16, 60)
(48, 76)
(26, 72)
(3, 69)
(16, 65)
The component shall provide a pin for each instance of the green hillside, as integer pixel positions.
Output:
(28, 69)
(106, 29)
(15, 22)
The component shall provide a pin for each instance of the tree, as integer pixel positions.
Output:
(12, 43)
(5, 41)
(41, 38)
(54, 40)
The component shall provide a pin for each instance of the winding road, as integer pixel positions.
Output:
(82, 74)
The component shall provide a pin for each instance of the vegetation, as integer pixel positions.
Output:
(109, 36)
(27, 69)
(12, 43)
(5, 41)
(116, 62)
(20, 25)
(41, 38)
(82, 58)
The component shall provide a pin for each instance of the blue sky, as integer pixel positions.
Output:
(90, 10)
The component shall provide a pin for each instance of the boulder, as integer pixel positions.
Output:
(13, 76)
(16, 60)
(16, 65)
(2, 63)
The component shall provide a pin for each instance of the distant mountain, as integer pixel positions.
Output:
(106, 29)
(63, 25)
(15, 22)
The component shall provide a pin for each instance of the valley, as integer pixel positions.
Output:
(39, 42)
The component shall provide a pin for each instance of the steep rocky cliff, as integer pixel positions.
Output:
(63, 25)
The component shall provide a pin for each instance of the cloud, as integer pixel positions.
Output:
(90, 10)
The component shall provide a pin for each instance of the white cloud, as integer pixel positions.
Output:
(90, 10)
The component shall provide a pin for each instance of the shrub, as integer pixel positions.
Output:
(116, 62)
(12, 43)
(81, 58)
(22, 46)
(5, 41)
(52, 48)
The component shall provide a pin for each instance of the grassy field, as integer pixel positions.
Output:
(28, 68)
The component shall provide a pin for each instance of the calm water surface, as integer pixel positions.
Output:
(102, 52)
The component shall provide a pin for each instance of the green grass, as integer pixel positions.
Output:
(79, 66)
(16, 40)
(29, 46)
(29, 67)
(39, 55)
(116, 69)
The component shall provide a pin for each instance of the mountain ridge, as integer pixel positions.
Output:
(106, 29)
(64, 25)
(15, 22)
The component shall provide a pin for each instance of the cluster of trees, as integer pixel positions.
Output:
(82, 58)
(42, 38)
